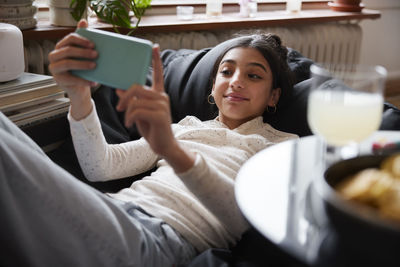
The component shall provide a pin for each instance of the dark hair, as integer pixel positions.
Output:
(270, 46)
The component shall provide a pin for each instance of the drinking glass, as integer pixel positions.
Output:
(345, 106)
(214, 8)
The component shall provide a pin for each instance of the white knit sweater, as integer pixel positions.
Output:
(199, 203)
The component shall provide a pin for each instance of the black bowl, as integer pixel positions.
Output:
(361, 231)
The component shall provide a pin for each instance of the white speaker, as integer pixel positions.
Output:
(12, 62)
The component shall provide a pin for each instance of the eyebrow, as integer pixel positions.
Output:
(251, 63)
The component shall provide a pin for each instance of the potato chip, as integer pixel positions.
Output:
(389, 203)
(364, 186)
(379, 188)
(383, 185)
(392, 165)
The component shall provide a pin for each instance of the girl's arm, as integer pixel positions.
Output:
(98, 160)
(101, 161)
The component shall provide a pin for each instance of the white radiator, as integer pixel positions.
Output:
(329, 42)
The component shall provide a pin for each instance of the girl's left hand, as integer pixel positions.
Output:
(149, 109)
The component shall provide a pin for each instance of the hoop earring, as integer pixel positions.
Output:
(273, 111)
(210, 99)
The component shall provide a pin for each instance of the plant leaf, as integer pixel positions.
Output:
(116, 12)
(112, 11)
(79, 8)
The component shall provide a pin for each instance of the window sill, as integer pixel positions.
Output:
(170, 23)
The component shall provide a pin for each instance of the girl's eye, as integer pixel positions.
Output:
(225, 72)
(254, 76)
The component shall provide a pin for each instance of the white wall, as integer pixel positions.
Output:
(381, 37)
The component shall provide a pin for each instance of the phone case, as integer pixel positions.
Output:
(122, 60)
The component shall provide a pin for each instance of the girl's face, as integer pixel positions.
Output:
(243, 86)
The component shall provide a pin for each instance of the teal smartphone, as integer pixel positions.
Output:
(122, 60)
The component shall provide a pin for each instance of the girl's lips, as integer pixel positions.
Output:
(236, 97)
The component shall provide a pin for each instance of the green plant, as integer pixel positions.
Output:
(114, 12)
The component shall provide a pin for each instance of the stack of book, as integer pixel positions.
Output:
(32, 99)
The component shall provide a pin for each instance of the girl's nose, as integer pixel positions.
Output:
(237, 81)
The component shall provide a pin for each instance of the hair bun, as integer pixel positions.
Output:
(276, 38)
(276, 43)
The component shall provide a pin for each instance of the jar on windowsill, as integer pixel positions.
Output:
(60, 13)
(346, 5)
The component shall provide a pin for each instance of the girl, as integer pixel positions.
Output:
(183, 208)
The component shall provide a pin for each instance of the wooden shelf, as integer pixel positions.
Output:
(170, 23)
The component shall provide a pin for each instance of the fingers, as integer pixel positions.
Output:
(68, 55)
(71, 52)
(60, 70)
(75, 40)
(141, 93)
(63, 57)
(83, 23)
(158, 79)
(120, 93)
(125, 97)
(67, 64)
(141, 115)
(138, 107)
(137, 104)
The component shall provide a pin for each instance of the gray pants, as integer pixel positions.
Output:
(49, 218)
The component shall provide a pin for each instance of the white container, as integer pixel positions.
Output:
(60, 13)
(293, 6)
(12, 63)
(252, 9)
(214, 8)
(248, 8)
(184, 12)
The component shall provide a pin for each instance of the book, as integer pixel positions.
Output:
(31, 111)
(26, 80)
(36, 104)
(31, 102)
(18, 96)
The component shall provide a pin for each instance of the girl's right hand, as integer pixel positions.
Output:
(64, 58)
(149, 109)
